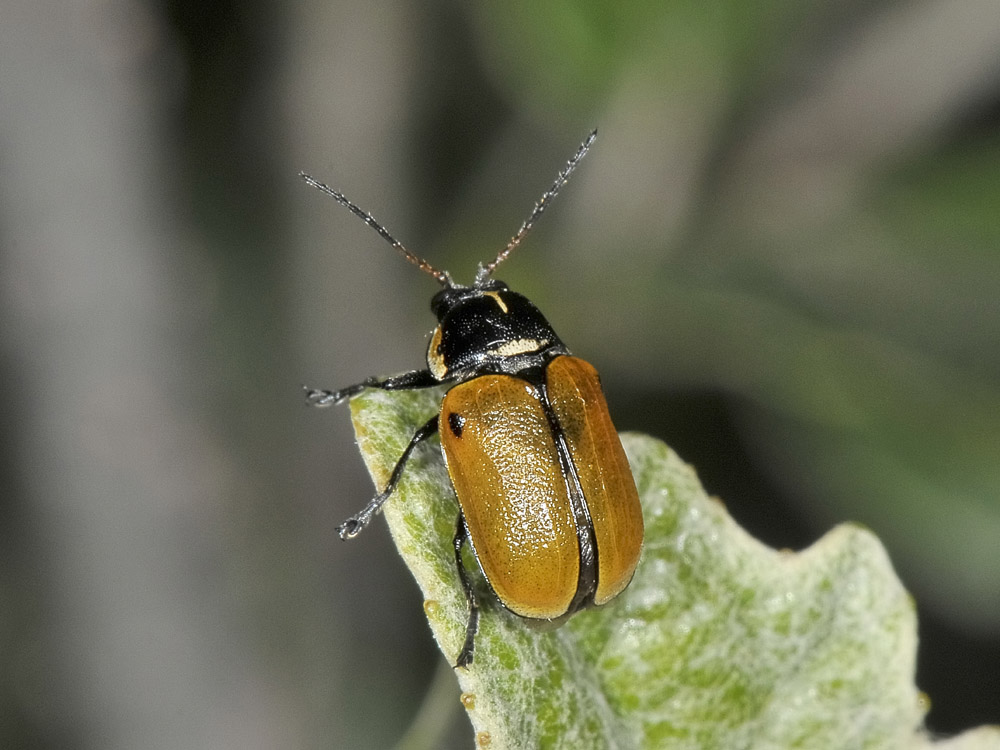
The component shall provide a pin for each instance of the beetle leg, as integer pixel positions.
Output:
(406, 381)
(353, 525)
(465, 655)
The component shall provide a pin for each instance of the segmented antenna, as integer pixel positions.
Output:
(442, 276)
(486, 270)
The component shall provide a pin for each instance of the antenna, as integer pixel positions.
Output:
(442, 276)
(486, 270)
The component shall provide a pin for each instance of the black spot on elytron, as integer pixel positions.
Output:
(455, 423)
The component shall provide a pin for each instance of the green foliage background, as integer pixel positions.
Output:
(781, 255)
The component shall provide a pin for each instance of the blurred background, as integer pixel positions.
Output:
(783, 255)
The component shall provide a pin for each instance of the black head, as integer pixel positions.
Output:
(450, 296)
(488, 328)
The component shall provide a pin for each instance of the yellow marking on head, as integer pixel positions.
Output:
(496, 297)
(518, 346)
(435, 361)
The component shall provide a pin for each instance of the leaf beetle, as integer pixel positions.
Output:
(546, 498)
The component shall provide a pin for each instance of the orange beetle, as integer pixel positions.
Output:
(546, 498)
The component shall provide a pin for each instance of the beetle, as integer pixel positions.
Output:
(546, 499)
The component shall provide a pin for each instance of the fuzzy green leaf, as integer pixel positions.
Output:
(719, 642)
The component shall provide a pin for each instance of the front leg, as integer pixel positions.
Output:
(406, 381)
(353, 525)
